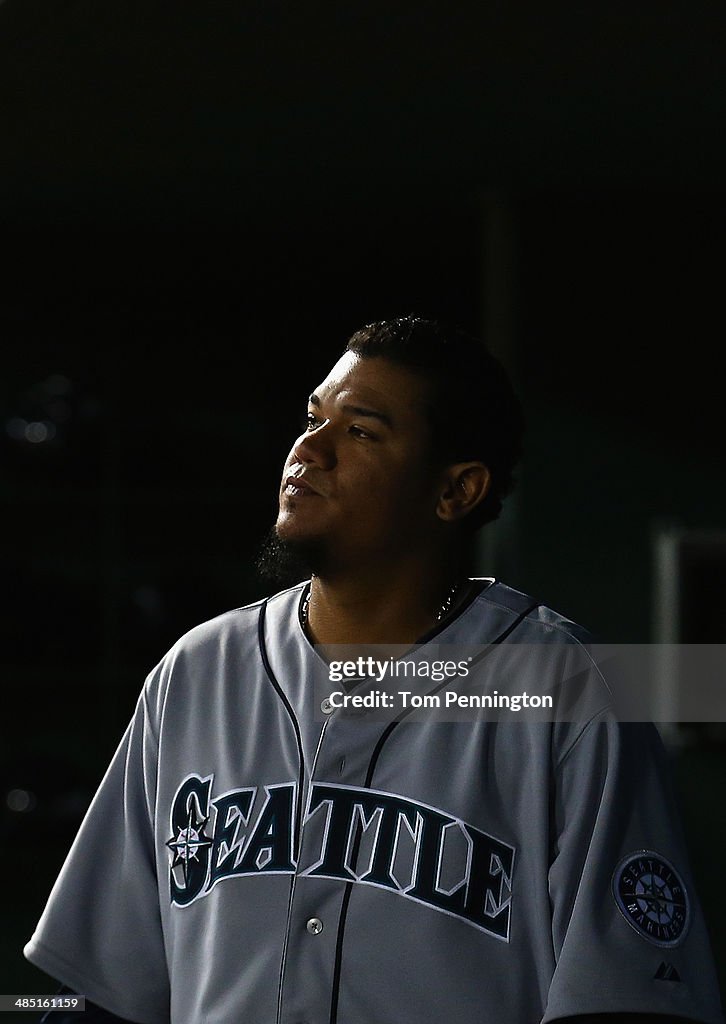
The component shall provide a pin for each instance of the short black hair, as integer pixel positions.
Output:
(474, 411)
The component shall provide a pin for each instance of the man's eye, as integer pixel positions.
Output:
(360, 432)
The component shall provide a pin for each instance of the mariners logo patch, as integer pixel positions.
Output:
(652, 897)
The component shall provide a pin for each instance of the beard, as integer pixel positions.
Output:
(283, 563)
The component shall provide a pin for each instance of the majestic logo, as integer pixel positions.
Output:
(651, 896)
(350, 834)
(667, 972)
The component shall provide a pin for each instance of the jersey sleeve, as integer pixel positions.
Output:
(627, 930)
(100, 932)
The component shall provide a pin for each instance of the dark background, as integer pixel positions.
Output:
(199, 204)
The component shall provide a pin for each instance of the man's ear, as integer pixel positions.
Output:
(464, 486)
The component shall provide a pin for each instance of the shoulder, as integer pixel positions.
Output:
(239, 625)
(536, 621)
(536, 649)
(223, 642)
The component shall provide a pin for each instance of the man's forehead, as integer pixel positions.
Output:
(373, 379)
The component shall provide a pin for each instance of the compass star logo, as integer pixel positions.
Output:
(189, 841)
(652, 897)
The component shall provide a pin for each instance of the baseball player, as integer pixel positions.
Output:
(255, 854)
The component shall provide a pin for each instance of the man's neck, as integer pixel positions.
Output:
(393, 607)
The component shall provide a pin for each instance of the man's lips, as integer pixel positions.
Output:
(298, 487)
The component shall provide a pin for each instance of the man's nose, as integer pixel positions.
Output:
(315, 447)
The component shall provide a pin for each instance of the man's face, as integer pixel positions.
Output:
(358, 484)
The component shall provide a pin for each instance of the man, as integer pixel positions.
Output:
(254, 855)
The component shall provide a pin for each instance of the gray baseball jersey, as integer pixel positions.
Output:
(244, 861)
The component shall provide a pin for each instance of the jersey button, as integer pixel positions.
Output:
(314, 926)
(327, 706)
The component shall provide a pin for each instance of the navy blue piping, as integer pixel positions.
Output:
(301, 778)
(288, 707)
(335, 994)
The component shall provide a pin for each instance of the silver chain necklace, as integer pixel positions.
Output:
(441, 613)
